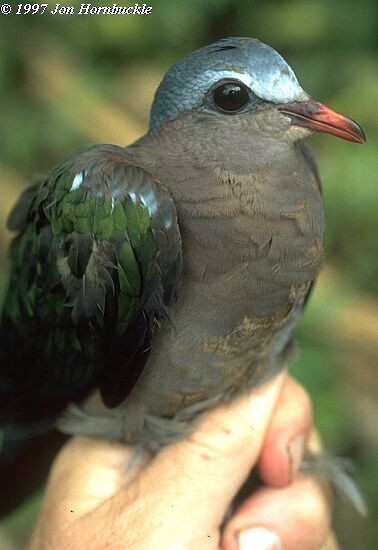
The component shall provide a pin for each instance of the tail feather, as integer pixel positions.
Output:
(339, 471)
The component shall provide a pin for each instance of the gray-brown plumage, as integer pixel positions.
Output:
(223, 170)
(251, 219)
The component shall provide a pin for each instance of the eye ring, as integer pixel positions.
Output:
(230, 96)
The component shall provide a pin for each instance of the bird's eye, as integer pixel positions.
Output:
(231, 97)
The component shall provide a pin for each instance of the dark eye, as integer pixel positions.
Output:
(231, 96)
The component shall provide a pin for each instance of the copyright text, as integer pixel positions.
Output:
(82, 9)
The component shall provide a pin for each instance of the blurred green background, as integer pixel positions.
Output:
(66, 81)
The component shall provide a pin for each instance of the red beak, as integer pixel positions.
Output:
(320, 118)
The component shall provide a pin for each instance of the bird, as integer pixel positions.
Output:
(150, 283)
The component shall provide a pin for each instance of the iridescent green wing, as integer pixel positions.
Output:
(97, 262)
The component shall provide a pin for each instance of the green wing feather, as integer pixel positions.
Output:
(97, 261)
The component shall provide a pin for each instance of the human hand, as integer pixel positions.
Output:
(104, 495)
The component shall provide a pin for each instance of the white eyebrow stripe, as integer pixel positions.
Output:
(213, 76)
(277, 89)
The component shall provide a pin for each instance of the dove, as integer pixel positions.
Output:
(152, 282)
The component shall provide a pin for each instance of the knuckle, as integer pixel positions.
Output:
(218, 440)
(298, 395)
(314, 513)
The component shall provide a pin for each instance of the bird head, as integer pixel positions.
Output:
(242, 89)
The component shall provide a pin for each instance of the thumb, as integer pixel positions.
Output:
(208, 467)
(191, 482)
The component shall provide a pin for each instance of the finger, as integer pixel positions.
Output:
(87, 472)
(296, 516)
(201, 474)
(286, 437)
(331, 543)
(194, 479)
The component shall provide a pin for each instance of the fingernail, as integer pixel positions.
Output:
(295, 451)
(258, 538)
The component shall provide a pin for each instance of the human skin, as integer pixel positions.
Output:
(103, 495)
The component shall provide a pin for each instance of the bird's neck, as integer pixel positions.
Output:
(255, 230)
(263, 177)
(242, 198)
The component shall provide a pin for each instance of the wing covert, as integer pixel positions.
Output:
(97, 263)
